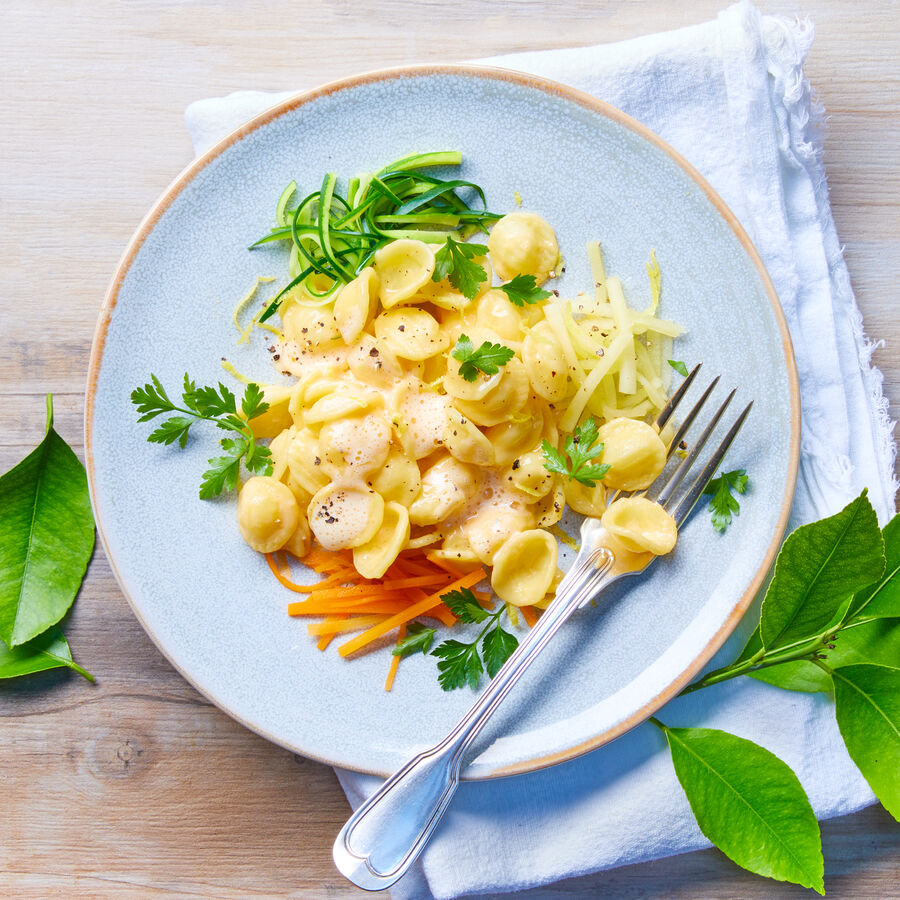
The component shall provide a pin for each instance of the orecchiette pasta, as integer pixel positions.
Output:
(373, 558)
(404, 267)
(524, 568)
(342, 515)
(523, 244)
(267, 513)
(634, 452)
(400, 434)
(641, 525)
(410, 333)
(355, 304)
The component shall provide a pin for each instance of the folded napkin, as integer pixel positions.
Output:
(732, 97)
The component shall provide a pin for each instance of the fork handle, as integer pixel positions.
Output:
(388, 831)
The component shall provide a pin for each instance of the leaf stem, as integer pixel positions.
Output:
(81, 671)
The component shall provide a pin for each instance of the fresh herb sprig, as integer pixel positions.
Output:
(209, 404)
(455, 261)
(419, 639)
(678, 366)
(578, 451)
(724, 503)
(523, 289)
(487, 358)
(460, 662)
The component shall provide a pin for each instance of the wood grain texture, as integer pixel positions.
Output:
(138, 787)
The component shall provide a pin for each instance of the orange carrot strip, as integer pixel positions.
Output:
(443, 564)
(417, 581)
(356, 592)
(311, 608)
(284, 566)
(432, 600)
(395, 661)
(324, 560)
(413, 567)
(442, 613)
(333, 580)
(529, 615)
(335, 624)
(297, 588)
(326, 639)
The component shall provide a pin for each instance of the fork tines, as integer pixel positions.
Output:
(677, 499)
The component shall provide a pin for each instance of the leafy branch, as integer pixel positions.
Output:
(830, 621)
(209, 404)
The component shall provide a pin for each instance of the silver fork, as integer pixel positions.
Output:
(387, 833)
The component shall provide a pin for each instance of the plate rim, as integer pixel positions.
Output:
(553, 88)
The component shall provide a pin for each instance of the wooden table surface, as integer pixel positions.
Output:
(138, 786)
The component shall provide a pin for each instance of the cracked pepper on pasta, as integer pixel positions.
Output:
(386, 441)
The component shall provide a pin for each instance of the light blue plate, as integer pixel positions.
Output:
(209, 601)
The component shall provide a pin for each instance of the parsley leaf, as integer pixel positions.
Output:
(454, 261)
(679, 367)
(578, 451)
(459, 665)
(464, 605)
(723, 503)
(497, 647)
(523, 289)
(209, 404)
(487, 358)
(418, 640)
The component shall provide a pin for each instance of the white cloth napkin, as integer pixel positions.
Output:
(732, 97)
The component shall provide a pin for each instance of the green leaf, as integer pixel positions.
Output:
(454, 261)
(523, 289)
(818, 568)
(883, 598)
(464, 605)
(459, 665)
(876, 642)
(206, 401)
(580, 448)
(418, 640)
(253, 404)
(867, 705)
(47, 651)
(723, 504)
(749, 804)
(174, 429)
(678, 366)
(223, 472)
(259, 460)
(487, 358)
(497, 647)
(47, 537)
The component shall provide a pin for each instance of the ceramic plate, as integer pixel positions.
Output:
(210, 603)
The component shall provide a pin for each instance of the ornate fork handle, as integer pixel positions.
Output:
(385, 835)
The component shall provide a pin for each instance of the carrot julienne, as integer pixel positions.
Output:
(326, 639)
(529, 615)
(401, 618)
(334, 625)
(395, 661)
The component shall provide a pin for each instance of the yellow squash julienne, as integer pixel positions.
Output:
(383, 445)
